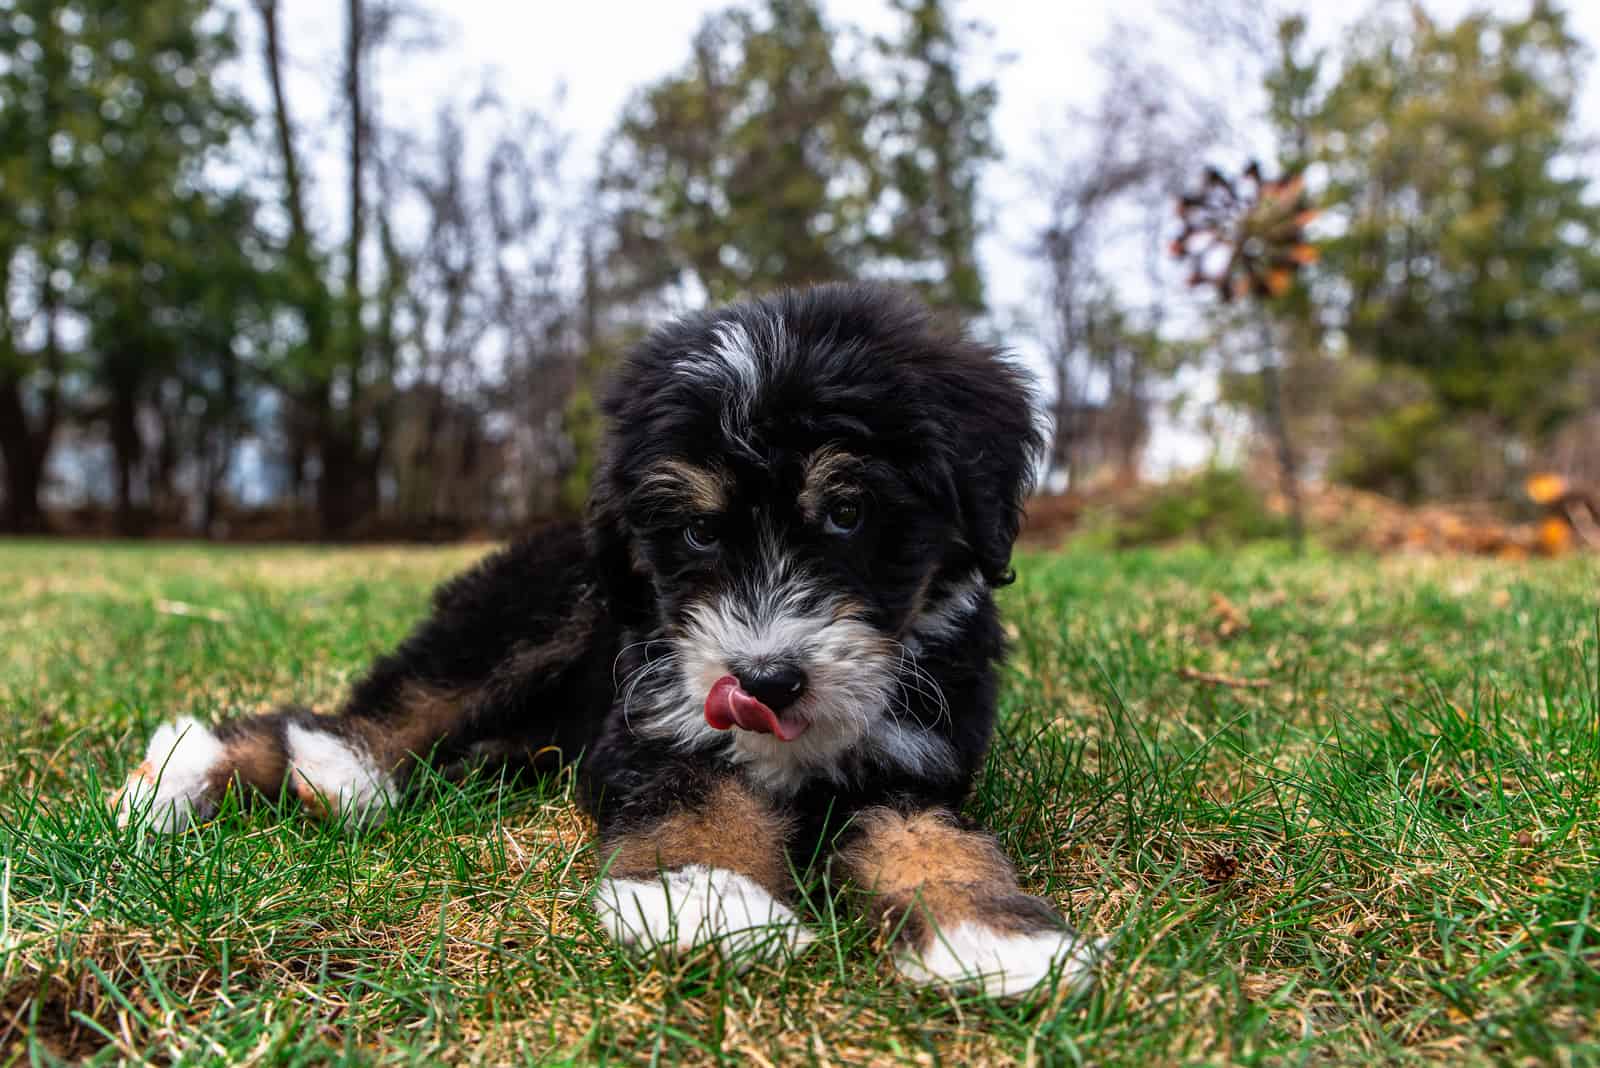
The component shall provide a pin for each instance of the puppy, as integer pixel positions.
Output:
(772, 642)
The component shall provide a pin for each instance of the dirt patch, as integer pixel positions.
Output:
(1553, 517)
(49, 1012)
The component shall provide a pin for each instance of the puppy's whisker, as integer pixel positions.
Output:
(912, 677)
(626, 649)
(636, 678)
(922, 676)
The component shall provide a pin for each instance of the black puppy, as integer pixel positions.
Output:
(774, 640)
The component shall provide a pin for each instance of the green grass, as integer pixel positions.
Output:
(1336, 810)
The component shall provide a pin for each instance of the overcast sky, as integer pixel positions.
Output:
(599, 51)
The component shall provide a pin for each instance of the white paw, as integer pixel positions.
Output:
(697, 905)
(1002, 964)
(172, 789)
(334, 779)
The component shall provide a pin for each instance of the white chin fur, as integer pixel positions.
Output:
(334, 778)
(971, 956)
(698, 905)
(170, 790)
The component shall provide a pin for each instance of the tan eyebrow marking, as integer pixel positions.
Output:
(703, 490)
(826, 469)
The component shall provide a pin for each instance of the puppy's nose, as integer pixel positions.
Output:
(776, 687)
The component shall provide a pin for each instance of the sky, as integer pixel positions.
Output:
(597, 52)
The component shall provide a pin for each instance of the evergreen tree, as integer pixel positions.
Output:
(777, 157)
(938, 139)
(1467, 246)
(109, 116)
(750, 169)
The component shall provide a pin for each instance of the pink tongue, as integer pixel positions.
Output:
(729, 706)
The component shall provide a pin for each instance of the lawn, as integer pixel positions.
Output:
(1340, 810)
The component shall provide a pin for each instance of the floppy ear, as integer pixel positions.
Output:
(1000, 443)
(611, 549)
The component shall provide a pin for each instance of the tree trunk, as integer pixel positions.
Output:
(128, 449)
(354, 297)
(1066, 431)
(211, 501)
(23, 460)
(293, 197)
(339, 492)
(354, 49)
(24, 444)
(302, 253)
(346, 490)
(223, 440)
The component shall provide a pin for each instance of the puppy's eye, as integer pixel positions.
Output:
(701, 533)
(843, 518)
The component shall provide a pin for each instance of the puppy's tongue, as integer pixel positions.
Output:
(729, 706)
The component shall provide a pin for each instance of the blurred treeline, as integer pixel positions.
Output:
(192, 339)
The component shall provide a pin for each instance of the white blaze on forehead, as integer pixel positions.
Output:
(738, 354)
(738, 361)
(732, 357)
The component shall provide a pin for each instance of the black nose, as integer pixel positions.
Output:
(775, 687)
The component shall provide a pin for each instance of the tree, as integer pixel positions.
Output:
(1128, 356)
(1468, 242)
(109, 114)
(493, 347)
(1128, 154)
(338, 379)
(750, 168)
(168, 315)
(40, 182)
(935, 140)
(307, 298)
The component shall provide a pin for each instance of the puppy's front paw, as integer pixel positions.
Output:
(698, 905)
(1002, 964)
(176, 785)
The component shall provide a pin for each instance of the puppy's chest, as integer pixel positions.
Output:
(816, 799)
(888, 752)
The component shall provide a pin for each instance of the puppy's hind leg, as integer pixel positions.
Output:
(348, 767)
(335, 765)
(507, 657)
(352, 766)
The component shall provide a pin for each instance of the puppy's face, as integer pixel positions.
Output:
(785, 489)
(786, 586)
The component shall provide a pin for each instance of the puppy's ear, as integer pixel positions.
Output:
(999, 447)
(611, 549)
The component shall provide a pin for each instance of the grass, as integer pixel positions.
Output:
(1340, 810)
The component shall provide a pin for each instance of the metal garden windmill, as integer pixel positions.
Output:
(1247, 240)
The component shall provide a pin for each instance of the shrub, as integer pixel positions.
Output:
(1218, 507)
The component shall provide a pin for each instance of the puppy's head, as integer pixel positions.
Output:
(794, 491)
